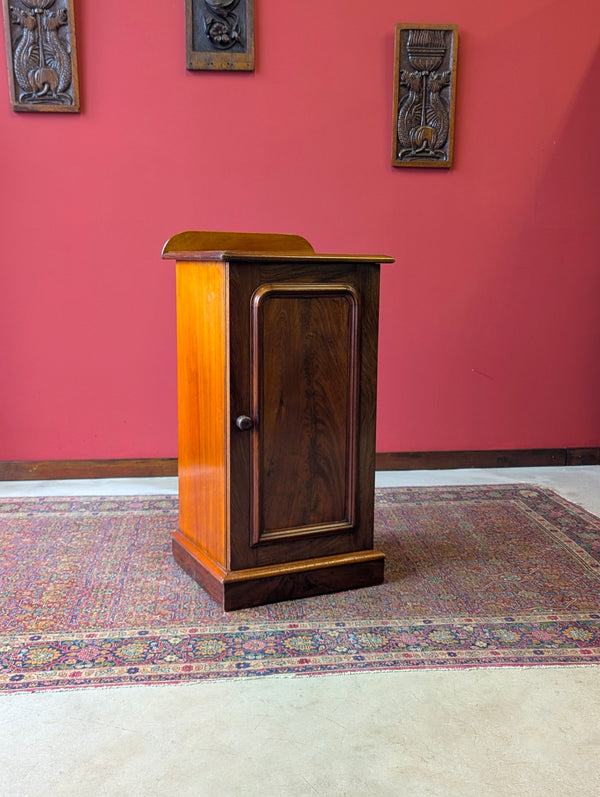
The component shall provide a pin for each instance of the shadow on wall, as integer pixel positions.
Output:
(534, 335)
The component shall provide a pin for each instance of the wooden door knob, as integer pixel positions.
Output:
(244, 422)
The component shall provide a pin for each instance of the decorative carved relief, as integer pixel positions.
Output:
(424, 91)
(220, 34)
(41, 55)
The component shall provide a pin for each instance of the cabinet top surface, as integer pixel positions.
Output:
(224, 246)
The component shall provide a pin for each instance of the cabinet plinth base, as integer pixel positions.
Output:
(242, 589)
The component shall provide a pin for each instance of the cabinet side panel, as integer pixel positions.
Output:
(369, 279)
(203, 368)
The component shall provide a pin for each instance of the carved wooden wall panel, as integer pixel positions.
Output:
(424, 95)
(220, 34)
(41, 55)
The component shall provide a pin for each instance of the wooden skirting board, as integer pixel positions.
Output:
(410, 460)
(87, 469)
(519, 458)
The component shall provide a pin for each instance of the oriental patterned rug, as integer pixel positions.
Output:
(475, 577)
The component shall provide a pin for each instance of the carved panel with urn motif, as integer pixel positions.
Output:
(424, 94)
(41, 55)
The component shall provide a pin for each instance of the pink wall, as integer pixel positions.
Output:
(490, 320)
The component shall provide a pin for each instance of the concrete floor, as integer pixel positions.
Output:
(489, 732)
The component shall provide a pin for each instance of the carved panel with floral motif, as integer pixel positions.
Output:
(220, 34)
(41, 55)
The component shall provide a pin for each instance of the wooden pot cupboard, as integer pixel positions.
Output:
(277, 368)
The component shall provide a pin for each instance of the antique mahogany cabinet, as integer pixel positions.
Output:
(277, 368)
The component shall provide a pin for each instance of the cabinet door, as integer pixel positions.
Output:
(305, 384)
